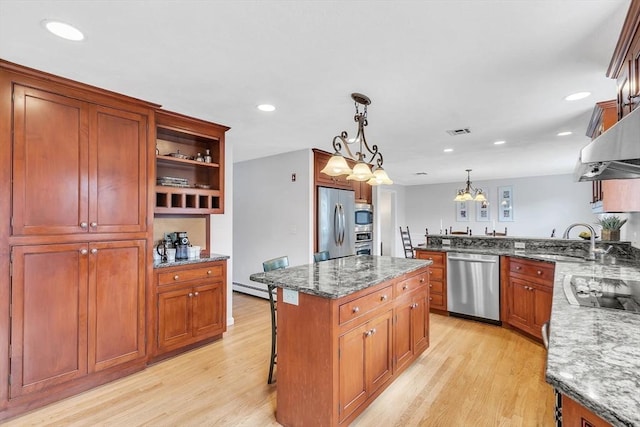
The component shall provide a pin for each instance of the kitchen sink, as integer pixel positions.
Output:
(560, 258)
(603, 292)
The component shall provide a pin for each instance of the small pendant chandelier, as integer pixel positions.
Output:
(362, 171)
(469, 193)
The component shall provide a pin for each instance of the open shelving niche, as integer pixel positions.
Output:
(191, 199)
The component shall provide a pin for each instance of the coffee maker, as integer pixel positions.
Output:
(181, 243)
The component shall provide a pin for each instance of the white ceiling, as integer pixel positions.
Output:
(501, 68)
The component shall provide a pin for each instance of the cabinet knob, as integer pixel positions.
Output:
(94, 251)
(517, 267)
(83, 225)
(414, 305)
(176, 277)
(430, 259)
(430, 285)
(383, 298)
(422, 280)
(196, 293)
(84, 252)
(94, 224)
(405, 287)
(430, 299)
(209, 272)
(190, 294)
(430, 272)
(373, 331)
(539, 272)
(355, 309)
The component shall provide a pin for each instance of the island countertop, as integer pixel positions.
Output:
(340, 277)
(594, 353)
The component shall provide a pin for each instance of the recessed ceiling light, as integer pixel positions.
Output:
(266, 107)
(448, 150)
(576, 96)
(565, 133)
(499, 142)
(64, 30)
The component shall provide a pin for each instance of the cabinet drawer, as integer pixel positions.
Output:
(208, 272)
(436, 286)
(411, 283)
(537, 272)
(438, 258)
(436, 273)
(364, 304)
(436, 301)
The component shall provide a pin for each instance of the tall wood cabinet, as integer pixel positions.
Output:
(437, 279)
(74, 236)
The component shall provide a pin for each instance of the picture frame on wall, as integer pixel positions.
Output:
(462, 211)
(483, 213)
(505, 204)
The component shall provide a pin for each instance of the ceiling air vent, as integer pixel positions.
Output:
(463, 131)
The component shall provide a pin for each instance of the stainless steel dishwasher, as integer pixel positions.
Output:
(473, 286)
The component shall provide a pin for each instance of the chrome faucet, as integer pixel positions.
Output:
(592, 241)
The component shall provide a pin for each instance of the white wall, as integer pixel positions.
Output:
(221, 228)
(631, 230)
(272, 216)
(540, 204)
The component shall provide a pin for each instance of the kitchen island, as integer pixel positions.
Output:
(346, 329)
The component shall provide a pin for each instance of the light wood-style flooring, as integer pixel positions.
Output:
(472, 375)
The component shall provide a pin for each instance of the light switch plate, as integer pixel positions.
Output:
(519, 245)
(446, 242)
(290, 296)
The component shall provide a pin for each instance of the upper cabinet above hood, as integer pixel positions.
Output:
(613, 155)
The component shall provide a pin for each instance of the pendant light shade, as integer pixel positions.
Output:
(361, 172)
(336, 166)
(380, 177)
(469, 193)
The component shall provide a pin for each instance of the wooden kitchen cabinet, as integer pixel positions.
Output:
(437, 279)
(77, 308)
(89, 176)
(366, 355)
(191, 304)
(204, 191)
(529, 294)
(350, 347)
(576, 415)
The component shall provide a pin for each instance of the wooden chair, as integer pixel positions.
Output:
(270, 265)
(467, 232)
(494, 232)
(406, 243)
(321, 256)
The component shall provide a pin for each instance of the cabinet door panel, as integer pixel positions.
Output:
(116, 301)
(353, 391)
(49, 319)
(541, 310)
(403, 348)
(420, 322)
(519, 303)
(208, 309)
(378, 350)
(118, 164)
(50, 162)
(174, 318)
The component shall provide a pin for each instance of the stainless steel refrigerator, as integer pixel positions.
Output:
(336, 222)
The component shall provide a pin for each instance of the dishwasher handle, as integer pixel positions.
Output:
(486, 261)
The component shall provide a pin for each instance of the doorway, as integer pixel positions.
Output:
(387, 230)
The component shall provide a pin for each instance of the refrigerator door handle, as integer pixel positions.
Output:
(336, 224)
(344, 222)
(341, 229)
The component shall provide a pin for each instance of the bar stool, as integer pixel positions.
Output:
(321, 256)
(270, 265)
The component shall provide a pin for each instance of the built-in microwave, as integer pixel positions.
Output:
(364, 214)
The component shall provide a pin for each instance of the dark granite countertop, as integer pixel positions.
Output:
(594, 353)
(340, 277)
(211, 257)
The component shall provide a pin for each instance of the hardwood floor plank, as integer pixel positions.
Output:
(473, 374)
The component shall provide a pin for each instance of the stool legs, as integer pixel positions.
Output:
(272, 363)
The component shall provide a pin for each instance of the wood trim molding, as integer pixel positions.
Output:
(629, 29)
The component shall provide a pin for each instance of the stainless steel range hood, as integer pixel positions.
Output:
(613, 155)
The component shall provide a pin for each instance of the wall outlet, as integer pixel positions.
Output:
(289, 296)
(519, 245)
(446, 242)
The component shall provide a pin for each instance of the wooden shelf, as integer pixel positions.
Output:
(175, 160)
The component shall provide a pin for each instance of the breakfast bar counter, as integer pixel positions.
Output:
(346, 328)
